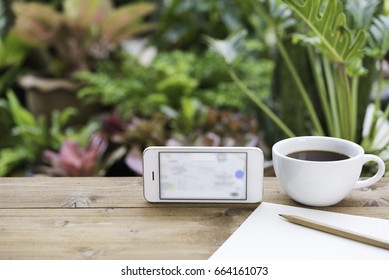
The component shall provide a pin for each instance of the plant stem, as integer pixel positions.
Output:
(372, 131)
(320, 84)
(386, 112)
(344, 99)
(354, 107)
(260, 103)
(301, 88)
(347, 103)
(332, 97)
(303, 92)
(379, 85)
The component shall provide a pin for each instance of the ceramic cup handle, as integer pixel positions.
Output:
(377, 176)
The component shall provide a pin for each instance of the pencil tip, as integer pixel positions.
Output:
(281, 215)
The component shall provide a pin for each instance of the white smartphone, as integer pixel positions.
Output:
(203, 174)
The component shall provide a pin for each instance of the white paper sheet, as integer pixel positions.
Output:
(266, 235)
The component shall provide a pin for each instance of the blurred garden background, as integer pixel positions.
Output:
(86, 85)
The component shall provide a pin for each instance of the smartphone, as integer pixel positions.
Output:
(203, 174)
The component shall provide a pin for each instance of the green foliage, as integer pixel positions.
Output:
(134, 89)
(5, 125)
(209, 69)
(29, 136)
(175, 75)
(378, 40)
(10, 158)
(125, 85)
(360, 13)
(184, 22)
(341, 99)
(279, 15)
(12, 51)
(328, 22)
(12, 55)
(335, 49)
(230, 47)
(257, 75)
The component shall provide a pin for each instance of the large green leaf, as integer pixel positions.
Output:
(328, 22)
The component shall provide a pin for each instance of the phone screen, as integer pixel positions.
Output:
(203, 175)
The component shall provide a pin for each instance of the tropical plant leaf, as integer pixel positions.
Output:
(36, 23)
(87, 12)
(281, 14)
(20, 115)
(10, 158)
(230, 47)
(378, 39)
(376, 138)
(328, 21)
(360, 13)
(126, 22)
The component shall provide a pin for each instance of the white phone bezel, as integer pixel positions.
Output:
(254, 173)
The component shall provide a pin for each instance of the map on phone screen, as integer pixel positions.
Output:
(203, 175)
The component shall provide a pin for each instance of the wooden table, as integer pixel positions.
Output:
(107, 218)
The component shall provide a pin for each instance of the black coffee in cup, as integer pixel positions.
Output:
(313, 155)
(326, 170)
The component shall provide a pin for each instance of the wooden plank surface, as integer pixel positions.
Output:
(120, 233)
(108, 218)
(64, 192)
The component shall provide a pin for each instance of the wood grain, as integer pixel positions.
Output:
(108, 218)
(122, 233)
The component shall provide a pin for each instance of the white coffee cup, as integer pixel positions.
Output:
(322, 183)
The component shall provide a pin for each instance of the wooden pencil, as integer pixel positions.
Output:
(336, 231)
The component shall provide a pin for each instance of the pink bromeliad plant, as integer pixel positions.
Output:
(74, 160)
